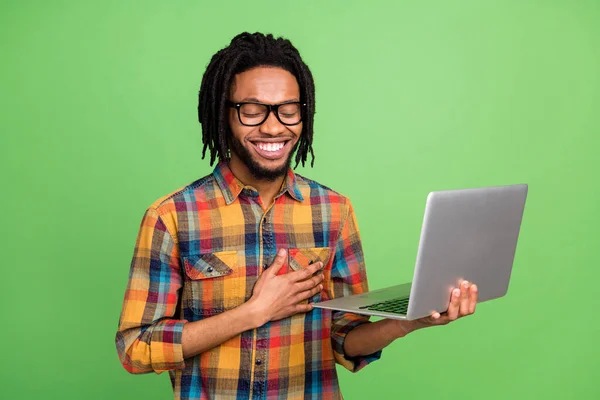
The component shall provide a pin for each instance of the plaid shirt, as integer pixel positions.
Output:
(199, 252)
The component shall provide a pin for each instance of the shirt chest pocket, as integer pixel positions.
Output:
(214, 282)
(299, 258)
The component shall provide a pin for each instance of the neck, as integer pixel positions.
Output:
(267, 189)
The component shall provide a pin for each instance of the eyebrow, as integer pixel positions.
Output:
(254, 99)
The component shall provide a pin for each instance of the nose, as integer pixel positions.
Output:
(272, 126)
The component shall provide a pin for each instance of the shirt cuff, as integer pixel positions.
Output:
(340, 329)
(166, 349)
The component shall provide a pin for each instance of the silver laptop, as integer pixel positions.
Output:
(467, 234)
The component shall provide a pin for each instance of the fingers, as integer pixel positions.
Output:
(436, 319)
(468, 298)
(464, 298)
(294, 309)
(454, 305)
(463, 301)
(305, 273)
(278, 263)
(309, 293)
(474, 297)
(309, 283)
(303, 308)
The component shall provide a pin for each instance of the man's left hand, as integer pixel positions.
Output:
(368, 338)
(462, 303)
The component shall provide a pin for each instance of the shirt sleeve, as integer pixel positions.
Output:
(348, 277)
(148, 337)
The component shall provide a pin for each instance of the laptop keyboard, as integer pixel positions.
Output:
(394, 306)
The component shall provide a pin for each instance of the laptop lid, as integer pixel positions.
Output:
(466, 234)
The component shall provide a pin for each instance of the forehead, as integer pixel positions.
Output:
(265, 84)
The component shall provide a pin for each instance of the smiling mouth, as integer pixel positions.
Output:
(271, 150)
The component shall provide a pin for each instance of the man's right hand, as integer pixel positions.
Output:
(278, 296)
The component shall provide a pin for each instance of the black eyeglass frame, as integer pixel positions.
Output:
(270, 108)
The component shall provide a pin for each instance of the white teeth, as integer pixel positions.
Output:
(271, 146)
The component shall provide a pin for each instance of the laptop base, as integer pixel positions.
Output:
(363, 303)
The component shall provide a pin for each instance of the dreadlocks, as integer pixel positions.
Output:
(245, 52)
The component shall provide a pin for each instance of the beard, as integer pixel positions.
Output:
(258, 171)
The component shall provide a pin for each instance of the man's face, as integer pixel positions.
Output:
(264, 150)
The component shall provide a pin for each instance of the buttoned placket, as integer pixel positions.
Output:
(268, 250)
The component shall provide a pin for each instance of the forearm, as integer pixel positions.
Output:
(200, 336)
(368, 338)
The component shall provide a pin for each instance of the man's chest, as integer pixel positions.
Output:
(224, 250)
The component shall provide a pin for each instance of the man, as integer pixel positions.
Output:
(226, 269)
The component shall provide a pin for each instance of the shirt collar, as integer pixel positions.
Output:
(231, 187)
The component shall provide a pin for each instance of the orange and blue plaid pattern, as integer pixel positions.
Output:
(199, 252)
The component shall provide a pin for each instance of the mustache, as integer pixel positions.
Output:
(268, 138)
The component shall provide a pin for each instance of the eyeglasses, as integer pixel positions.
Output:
(254, 114)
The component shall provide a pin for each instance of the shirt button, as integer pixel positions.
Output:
(266, 266)
(209, 269)
(258, 362)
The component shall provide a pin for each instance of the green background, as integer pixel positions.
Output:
(98, 119)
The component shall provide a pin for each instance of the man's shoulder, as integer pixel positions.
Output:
(183, 194)
(316, 189)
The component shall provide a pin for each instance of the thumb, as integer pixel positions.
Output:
(279, 262)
